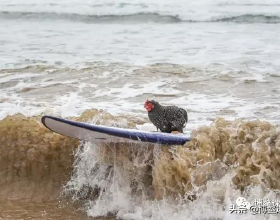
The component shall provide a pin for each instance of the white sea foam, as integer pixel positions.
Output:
(113, 179)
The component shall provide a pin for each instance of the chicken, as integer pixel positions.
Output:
(166, 118)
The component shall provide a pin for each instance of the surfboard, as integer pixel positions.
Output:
(100, 133)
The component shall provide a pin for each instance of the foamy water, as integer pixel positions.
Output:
(212, 58)
(123, 179)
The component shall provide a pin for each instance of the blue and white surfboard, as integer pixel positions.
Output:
(99, 133)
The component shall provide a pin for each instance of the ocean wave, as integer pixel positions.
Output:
(250, 18)
(138, 17)
(34, 162)
(219, 163)
(37, 154)
(135, 18)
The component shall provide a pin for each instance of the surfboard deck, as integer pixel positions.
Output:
(99, 133)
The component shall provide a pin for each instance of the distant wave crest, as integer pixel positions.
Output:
(134, 18)
(250, 18)
(138, 17)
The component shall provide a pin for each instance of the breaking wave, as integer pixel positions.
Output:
(250, 18)
(223, 161)
(135, 18)
(138, 17)
(34, 162)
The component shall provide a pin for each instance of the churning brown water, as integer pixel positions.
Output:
(49, 176)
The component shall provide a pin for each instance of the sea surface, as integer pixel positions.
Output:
(98, 61)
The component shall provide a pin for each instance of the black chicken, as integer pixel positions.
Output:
(166, 118)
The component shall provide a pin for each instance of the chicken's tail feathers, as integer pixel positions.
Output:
(185, 116)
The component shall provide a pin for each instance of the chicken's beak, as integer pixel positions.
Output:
(146, 106)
